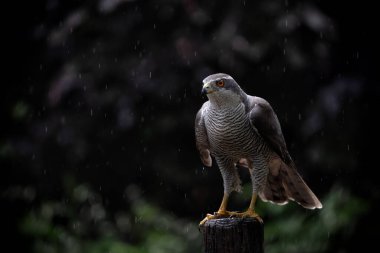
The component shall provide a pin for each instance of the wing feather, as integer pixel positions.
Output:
(265, 120)
(283, 181)
(201, 137)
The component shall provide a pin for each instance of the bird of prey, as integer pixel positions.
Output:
(242, 130)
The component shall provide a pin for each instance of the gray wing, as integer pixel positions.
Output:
(201, 137)
(283, 180)
(265, 120)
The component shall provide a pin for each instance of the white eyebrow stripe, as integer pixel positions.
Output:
(212, 80)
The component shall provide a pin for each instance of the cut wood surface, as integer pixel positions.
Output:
(233, 235)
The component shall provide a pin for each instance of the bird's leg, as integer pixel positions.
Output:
(251, 213)
(258, 179)
(221, 213)
(253, 201)
(231, 182)
(223, 205)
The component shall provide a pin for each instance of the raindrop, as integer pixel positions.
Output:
(46, 129)
(33, 156)
(91, 112)
(284, 69)
(98, 65)
(150, 75)
(299, 116)
(84, 88)
(154, 26)
(348, 147)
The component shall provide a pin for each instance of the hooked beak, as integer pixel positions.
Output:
(207, 89)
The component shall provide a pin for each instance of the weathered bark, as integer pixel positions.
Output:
(233, 235)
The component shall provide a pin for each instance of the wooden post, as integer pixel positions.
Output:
(233, 235)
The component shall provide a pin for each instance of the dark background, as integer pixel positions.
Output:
(97, 143)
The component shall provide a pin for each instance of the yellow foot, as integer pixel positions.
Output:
(250, 213)
(217, 215)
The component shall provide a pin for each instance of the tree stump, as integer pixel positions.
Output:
(233, 235)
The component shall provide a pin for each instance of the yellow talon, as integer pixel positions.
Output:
(217, 215)
(250, 213)
(222, 213)
(251, 210)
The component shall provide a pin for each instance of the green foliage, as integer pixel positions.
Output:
(19, 110)
(5, 150)
(82, 224)
(164, 232)
(293, 229)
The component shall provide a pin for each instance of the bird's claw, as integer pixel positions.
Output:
(217, 215)
(250, 213)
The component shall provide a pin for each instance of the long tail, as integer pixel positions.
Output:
(284, 183)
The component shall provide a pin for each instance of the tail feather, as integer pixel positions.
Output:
(284, 182)
(274, 191)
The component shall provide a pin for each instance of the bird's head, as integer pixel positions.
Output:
(222, 89)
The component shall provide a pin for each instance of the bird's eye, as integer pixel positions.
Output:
(220, 83)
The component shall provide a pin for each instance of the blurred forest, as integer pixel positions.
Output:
(97, 143)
